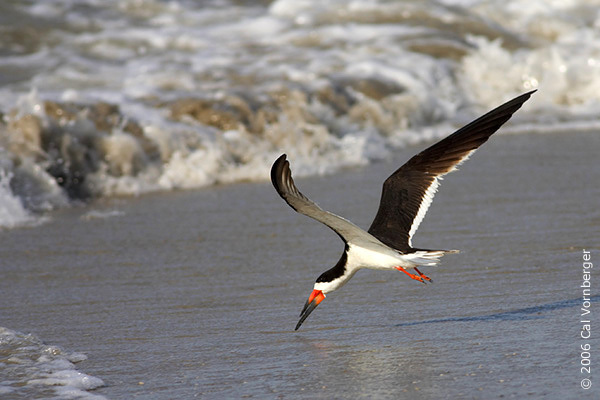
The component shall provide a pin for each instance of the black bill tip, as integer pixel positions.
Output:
(309, 308)
(315, 298)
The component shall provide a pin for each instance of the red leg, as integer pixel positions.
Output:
(413, 276)
(422, 275)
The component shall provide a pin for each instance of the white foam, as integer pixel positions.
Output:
(29, 366)
(12, 212)
(123, 154)
(196, 169)
(101, 214)
(331, 83)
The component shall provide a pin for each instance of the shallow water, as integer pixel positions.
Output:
(196, 294)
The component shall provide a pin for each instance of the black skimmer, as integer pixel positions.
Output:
(407, 194)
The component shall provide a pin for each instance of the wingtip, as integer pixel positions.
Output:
(282, 158)
(278, 165)
(518, 101)
(281, 161)
(528, 94)
(525, 96)
(522, 98)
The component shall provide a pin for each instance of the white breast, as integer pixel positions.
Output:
(375, 257)
(372, 255)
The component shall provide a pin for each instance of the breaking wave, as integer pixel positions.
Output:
(126, 97)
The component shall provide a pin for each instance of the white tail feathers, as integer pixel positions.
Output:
(427, 258)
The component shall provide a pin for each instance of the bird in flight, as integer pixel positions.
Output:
(406, 196)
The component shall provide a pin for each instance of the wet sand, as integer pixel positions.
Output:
(196, 294)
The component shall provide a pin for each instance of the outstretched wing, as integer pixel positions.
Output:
(408, 192)
(281, 176)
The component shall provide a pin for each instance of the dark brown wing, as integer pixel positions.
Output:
(408, 192)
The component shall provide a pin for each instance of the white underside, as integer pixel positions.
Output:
(379, 256)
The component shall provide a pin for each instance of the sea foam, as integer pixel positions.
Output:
(124, 98)
(12, 212)
(29, 368)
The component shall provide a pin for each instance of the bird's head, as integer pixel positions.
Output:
(323, 285)
(327, 282)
